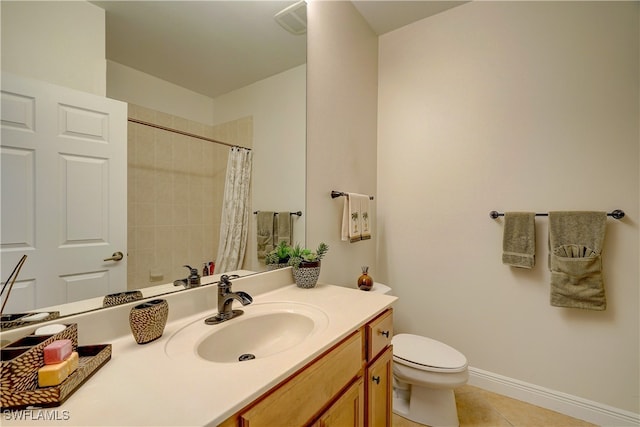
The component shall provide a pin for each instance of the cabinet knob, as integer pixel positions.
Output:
(385, 333)
(375, 379)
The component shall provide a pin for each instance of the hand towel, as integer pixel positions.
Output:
(575, 249)
(519, 239)
(352, 218)
(264, 233)
(365, 217)
(284, 228)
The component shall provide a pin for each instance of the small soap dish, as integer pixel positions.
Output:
(92, 358)
(21, 359)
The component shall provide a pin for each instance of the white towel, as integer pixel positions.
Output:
(352, 217)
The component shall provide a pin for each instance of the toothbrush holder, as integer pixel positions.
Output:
(147, 320)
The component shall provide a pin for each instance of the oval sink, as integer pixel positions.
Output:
(265, 329)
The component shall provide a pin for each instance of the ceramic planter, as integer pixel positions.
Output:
(306, 275)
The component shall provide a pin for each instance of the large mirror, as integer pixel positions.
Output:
(203, 71)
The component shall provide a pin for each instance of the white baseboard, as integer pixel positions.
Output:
(573, 406)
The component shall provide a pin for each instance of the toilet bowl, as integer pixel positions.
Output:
(425, 372)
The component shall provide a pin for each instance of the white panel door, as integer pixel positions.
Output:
(63, 193)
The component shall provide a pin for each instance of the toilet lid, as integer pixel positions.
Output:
(426, 353)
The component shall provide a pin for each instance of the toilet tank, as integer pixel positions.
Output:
(380, 288)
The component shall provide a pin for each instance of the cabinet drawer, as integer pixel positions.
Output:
(379, 333)
(305, 394)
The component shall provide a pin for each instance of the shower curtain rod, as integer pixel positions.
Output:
(192, 135)
(617, 214)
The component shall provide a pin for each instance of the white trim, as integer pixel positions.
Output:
(567, 404)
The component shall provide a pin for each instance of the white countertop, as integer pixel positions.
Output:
(142, 386)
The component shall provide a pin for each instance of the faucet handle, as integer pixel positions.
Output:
(192, 271)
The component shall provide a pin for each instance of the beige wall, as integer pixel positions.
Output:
(341, 133)
(136, 87)
(512, 106)
(61, 42)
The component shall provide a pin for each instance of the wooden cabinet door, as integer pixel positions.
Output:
(379, 390)
(300, 398)
(347, 411)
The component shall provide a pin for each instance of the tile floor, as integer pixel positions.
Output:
(481, 408)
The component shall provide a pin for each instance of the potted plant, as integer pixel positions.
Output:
(278, 257)
(306, 264)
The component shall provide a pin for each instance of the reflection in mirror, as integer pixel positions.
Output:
(173, 217)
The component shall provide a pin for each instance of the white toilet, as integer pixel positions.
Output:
(425, 372)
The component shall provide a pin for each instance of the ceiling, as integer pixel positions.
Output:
(214, 47)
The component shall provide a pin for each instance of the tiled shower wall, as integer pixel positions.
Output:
(175, 191)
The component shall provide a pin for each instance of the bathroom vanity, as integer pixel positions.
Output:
(328, 364)
(349, 385)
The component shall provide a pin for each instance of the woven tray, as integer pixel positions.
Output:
(21, 359)
(10, 321)
(92, 358)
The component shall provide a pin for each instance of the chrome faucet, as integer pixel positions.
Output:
(225, 301)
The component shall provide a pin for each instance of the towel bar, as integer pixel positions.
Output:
(299, 213)
(617, 214)
(335, 194)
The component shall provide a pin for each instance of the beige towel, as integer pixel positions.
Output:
(365, 217)
(575, 248)
(284, 228)
(352, 217)
(264, 233)
(519, 239)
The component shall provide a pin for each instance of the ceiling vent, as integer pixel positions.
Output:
(293, 18)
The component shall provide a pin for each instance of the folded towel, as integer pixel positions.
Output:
(264, 233)
(575, 261)
(352, 217)
(284, 228)
(519, 239)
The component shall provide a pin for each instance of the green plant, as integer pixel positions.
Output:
(300, 255)
(279, 255)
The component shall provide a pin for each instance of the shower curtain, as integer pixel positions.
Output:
(234, 223)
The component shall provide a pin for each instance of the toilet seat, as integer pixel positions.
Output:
(427, 354)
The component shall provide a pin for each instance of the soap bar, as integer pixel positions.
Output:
(57, 351)
(50, 375)
(35, 317)
(52, 329)
(73, 361)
